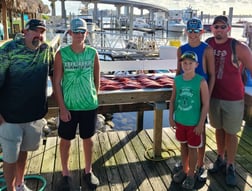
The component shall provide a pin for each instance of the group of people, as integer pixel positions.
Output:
(204, 84)
(25, 66)
(208, 83)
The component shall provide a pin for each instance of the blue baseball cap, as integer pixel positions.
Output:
(78, 24)
(194, 24)
(189, 55)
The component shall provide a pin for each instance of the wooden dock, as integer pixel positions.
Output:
(122, 163)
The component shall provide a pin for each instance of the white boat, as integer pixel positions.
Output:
(176, 25)
(140, 23)
(91, 26)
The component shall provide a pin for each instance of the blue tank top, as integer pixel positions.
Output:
(199, 50)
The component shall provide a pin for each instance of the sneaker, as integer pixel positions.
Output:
(22, 187)
(65, 184)
(177, 167)
(218, 165)
(230, 176)
(179, 177)
(188, 183)
(91, 180)
(201, 174)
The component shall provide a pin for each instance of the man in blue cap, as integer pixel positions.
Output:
(205, 68)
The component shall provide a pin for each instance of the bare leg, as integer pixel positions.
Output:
(9, 175)
(64, 155)
(21, 167)
(192, 153)
(201, 150)
(220, 140)
(184, 156)
(232, 142)
(88, 147)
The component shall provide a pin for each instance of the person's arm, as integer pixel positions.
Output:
(171, 107)
(178, 71)
(244, 55)
(97, 72)
(210, 66)
(204, 96)
(57, 77)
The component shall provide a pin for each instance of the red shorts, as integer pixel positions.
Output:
(185, 134)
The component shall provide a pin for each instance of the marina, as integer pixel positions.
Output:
(139, 151)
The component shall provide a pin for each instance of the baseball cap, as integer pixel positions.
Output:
(189, 55)
(221, 18)
(33, 24)
(78, 24)
(194, 23)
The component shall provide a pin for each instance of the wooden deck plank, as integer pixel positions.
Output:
(140, 144)
(49, 162)
(99, 165)
(114, 179)
(133, 161)
(121, 164)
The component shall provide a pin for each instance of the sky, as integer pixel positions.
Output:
(212, 7)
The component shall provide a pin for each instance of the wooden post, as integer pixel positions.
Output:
(140, 117)
(157, 139)
(4, 20)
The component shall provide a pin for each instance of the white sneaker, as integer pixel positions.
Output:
(22, 187)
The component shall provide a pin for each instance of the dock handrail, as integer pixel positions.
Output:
(55, 42)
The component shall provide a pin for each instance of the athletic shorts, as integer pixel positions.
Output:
(185, 134)
(16, 137)
(227, 115)
(86, 120)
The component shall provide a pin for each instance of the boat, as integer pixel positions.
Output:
(91, 26)
(140, 23)
(176, 25)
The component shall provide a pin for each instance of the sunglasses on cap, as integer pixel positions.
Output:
(220, 26)
(193, 31)
(79, 32)
(189, 55)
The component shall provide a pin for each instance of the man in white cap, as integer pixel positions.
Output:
(76, 85)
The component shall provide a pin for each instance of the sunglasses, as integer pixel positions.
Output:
(220, 26)
(188, 55)
(79, 32)
(193, 31)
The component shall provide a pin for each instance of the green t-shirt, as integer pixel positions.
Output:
(188, 100)
(23, 81)
(78, 85)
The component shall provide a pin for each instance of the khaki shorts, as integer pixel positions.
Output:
(227, 115)
(16, 137)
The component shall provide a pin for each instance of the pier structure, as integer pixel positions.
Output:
(128, 5)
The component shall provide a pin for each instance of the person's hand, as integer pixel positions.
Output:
(1, 119)
(172, 123)
(65, 115)
(198, 130)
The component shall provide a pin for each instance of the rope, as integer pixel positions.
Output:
(165, 154)
(26, 177)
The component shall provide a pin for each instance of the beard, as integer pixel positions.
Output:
(36, 42)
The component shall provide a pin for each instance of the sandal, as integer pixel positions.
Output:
(188, 183)
(179, 177)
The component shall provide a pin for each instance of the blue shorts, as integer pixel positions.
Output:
(16, 137)
(86, 120)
